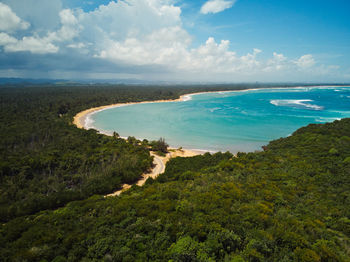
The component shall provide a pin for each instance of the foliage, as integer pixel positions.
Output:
(288, 203)
(159, 146)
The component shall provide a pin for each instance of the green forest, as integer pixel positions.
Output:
(289, 202)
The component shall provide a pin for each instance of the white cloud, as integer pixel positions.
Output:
(32, 44)
(217, 58)
(118, 21)
(150, 34)
(9, 21)
(276, 63)
(77, 45)
(43, 15)
(163, 47)
(70, 27)
(5, 39)
(305, 61)
(169, 47)
(249, 61)
(212, 57)
(44, 45)
(216, 6)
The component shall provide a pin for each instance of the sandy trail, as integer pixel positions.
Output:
(159, 167)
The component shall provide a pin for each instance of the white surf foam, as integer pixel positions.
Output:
(327, 119)
(214, 109)
(88, 123)
(296, 103)
(187, 98)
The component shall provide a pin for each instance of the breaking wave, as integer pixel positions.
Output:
(302, 103)
(187, 98)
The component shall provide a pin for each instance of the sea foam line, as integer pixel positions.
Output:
(291, 102)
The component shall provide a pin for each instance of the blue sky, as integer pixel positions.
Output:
(215, 40)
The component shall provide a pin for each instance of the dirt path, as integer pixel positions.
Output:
(159, 167)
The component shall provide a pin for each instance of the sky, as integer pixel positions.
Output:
(176, 40)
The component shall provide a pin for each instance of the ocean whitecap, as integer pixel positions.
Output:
(326, 119)
(214, 109)
(301, 103)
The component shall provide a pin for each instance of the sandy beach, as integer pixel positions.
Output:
(79, 119)
(80, 122)
(159, 161)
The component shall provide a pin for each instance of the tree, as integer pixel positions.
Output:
(160, 145)
(115, 134)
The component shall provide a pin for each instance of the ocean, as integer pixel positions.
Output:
(237, 121)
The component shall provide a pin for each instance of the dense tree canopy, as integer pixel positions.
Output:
(287, 203)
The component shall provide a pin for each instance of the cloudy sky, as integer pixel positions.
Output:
(181, 40)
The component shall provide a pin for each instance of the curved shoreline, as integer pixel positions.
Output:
(80, 118)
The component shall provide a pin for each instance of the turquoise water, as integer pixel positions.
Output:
(235, 121)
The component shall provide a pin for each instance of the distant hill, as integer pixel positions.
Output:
(131, 81)
(13, 80)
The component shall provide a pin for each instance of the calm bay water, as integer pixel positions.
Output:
(235, 121)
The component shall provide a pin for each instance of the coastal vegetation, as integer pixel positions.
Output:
(46, 161)
(159, 146)
(287, 203)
